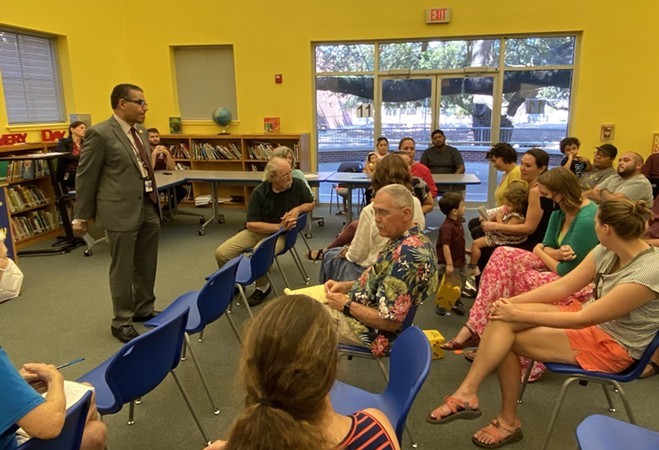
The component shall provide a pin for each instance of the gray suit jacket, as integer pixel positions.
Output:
(109, 185)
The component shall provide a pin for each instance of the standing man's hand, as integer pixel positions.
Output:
(79, 227)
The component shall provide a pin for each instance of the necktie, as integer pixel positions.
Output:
(145, 160)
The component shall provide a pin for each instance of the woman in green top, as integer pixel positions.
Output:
(512, 271)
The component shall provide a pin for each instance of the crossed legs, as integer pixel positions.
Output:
(500, 347)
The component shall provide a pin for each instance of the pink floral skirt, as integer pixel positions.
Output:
(509, 272)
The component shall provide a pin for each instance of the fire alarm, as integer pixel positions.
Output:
(279, 78)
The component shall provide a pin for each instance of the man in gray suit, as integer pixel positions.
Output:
(115, 184)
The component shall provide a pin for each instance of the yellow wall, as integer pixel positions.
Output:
(104, 44)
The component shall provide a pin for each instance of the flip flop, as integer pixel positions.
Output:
(459, 410)
(654, 370)
(452, 344)
(493, 430)
(318, 257)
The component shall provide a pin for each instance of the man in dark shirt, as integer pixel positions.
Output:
(442, 158)
(276, 203)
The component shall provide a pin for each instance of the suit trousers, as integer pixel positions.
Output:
(241, 241)
(133, 267)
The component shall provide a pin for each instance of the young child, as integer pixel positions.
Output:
(451, 244)
(512, 212)
(371, 162)
(569, 146)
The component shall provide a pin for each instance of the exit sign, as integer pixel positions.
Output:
(438, 15)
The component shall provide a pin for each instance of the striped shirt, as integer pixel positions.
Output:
(366, 433)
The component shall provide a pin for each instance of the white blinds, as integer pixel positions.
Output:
(30, 79)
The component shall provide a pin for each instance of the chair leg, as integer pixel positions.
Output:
(306, 242)
(131, 413)
(283, 275)
(235, 330)
(383, 369)
(244, 298)
(186, 397)
(216, 410)
(184, 351)
(413, 443)
(623, 397)
(557, 409)
(527, 374)
(609, 400)
(201, 335)
(298, 261)
(274, 288)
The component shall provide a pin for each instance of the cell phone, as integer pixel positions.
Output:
(482, 211)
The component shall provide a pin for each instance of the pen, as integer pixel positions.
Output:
(70, 363)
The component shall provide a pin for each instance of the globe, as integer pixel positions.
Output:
(222, 117)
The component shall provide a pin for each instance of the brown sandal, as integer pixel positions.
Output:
(452, 344)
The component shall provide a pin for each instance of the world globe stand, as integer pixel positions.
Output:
(222, 117)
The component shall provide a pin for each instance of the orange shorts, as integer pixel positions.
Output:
(594, 349)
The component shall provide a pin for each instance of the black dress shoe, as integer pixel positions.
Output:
(125, 334)
(146, 318)
(258, 296)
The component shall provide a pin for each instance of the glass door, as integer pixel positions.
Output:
(465, 106)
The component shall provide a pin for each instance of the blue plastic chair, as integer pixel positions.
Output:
(613, 380)
(598, 432)
(206, 306)
(139, 367)
(289, 245)
(70, 437)
(408, 369)
(254, 266)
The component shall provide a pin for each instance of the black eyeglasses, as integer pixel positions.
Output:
(140, 102)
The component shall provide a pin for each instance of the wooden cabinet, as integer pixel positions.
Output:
(29, 197)
(234, 153)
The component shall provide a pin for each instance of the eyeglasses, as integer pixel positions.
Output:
(140, 102)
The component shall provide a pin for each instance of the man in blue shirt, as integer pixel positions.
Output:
(22, 406)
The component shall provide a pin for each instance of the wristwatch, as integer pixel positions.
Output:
(346, 307)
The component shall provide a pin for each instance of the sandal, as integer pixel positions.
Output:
(459, 410)
(317, 257)
(452, 344)
(651, 369)
(470, 356)
(494, 430)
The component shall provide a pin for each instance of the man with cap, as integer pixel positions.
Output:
(629, 183)
(603, 168)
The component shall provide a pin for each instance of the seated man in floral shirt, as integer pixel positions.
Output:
(370, 311)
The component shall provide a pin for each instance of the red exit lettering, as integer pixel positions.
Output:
(51, 135)
(438, 15)
(13, 138)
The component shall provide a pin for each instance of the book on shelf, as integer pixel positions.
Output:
(180, 150)
(272, 125)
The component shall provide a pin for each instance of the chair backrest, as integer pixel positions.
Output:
(292, 234)
(409, 365)
(144, 362)
(264, 255)
(215, 296)
(598, 432)
(70, 437)
(354, 167)
(629, 374)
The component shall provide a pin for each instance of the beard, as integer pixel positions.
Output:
(626, 173)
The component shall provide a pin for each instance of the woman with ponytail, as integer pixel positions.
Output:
(289, 364)
(605, 334)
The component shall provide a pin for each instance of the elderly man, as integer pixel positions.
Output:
(371, 310)
(276, 203)
(603, 162)
(630, 182)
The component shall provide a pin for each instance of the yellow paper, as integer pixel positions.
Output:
(316, 292)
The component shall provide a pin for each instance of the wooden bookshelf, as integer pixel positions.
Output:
(30, 210)
(249, 152)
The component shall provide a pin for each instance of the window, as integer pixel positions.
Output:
(30, 78)
(206, 80)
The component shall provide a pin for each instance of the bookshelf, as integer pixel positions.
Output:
(31, 209)
(249, 152)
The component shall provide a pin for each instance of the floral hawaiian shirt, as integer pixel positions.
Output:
(404, 274)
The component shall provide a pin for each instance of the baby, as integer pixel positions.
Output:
(515, 204)
(371, 162)
(569, 146)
